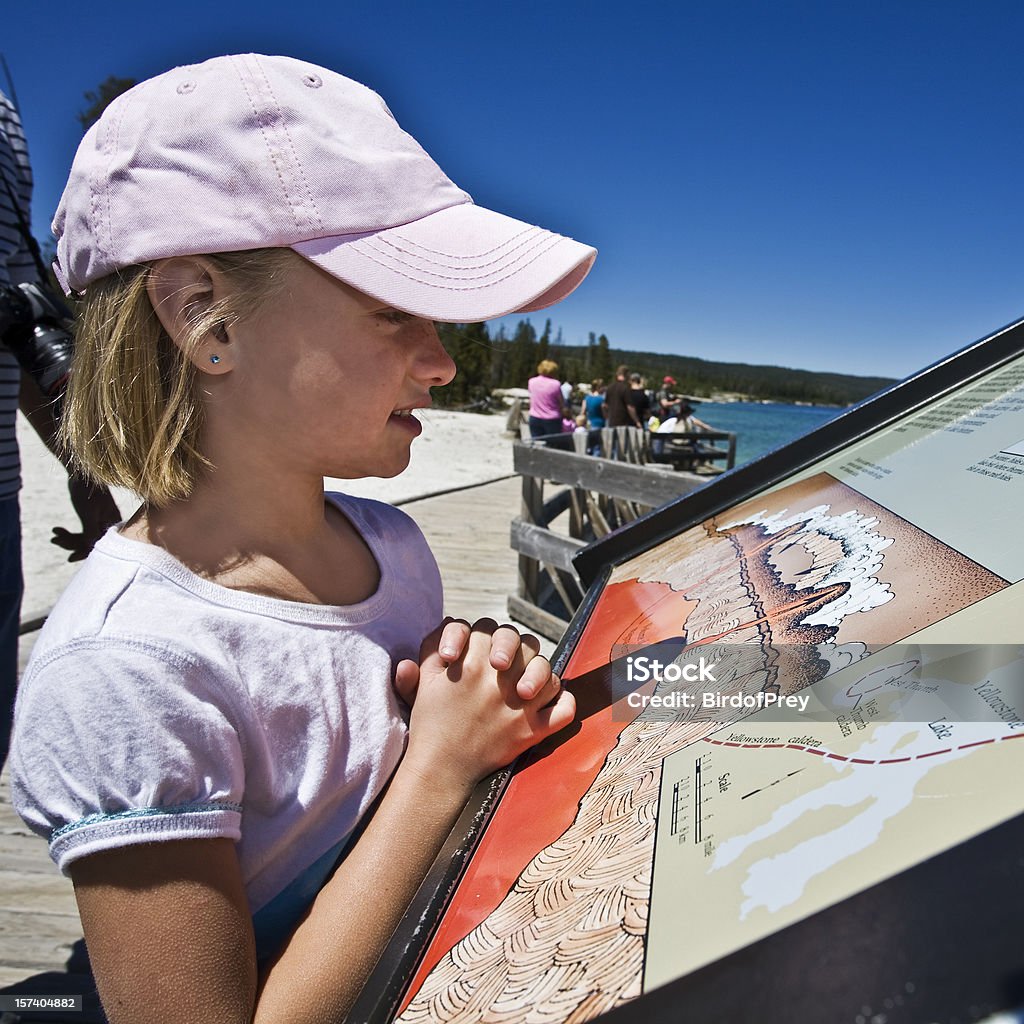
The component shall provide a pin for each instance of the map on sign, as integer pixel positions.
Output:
(763, 825)
(778, 708)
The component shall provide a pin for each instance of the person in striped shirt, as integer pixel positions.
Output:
(95, 506)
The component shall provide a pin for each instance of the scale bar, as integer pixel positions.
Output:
(696, 805)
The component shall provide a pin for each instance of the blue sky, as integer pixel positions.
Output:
(834, 186)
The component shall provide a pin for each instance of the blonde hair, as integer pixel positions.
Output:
(133, 415)
(547, 367)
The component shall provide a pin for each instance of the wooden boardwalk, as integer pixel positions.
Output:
(469, 533)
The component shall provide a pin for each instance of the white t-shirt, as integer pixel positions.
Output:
(159, 705)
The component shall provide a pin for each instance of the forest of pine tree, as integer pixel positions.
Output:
(485, 362)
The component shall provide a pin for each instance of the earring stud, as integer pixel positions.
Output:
(215, 359)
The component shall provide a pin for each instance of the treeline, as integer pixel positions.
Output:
(501, 361)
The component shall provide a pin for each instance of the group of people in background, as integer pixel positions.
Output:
(623, 403)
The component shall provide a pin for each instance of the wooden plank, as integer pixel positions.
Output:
(37, 942)
(468, 532)
(543, 545)
(533, 499)
(629, 443)
(514, 420)
(17, 840)
(701, 435)
(562, 582)
(528, 584)
(577, 513)
(536, 619)
(31, 623)
(555, 506)
(690, 447)
(597, 519)
(617, 479)
(26, 892)
(38, 914)
(626, 510)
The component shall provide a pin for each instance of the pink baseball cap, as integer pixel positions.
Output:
(247, 152)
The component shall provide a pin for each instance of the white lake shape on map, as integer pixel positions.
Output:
(779, 881)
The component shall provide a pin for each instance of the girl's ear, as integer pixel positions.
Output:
(182, 289)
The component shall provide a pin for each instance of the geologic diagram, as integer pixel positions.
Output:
(713, 796)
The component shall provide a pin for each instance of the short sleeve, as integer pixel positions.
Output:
(119, 742)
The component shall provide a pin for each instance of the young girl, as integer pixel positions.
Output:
(214, 705)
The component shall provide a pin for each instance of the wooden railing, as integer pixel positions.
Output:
(571, 498)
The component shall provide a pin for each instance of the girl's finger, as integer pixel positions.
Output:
(558, 715)
(505, 643)
(530, 645)
(550, 691)
(407, 678)
(454, 635)
(547, 692)
(536, 676)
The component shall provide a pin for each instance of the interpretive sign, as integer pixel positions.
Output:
(800, 691)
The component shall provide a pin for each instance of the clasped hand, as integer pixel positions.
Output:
(480, 696)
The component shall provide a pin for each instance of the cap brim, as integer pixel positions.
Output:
(462, 264)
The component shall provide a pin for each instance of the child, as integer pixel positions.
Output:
(211, 709)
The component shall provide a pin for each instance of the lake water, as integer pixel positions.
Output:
(760, 428)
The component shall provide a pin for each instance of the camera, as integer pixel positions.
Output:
(36, 326)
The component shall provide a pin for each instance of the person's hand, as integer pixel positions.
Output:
(97, 511)
(451, 642)
(471, 717)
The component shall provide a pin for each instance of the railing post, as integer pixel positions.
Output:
(533, 512)
(599, 495)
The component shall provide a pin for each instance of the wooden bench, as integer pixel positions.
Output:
(695, 448)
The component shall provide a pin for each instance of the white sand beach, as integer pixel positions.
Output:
(455, 450)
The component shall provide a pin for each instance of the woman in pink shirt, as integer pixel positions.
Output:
(547, 407)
